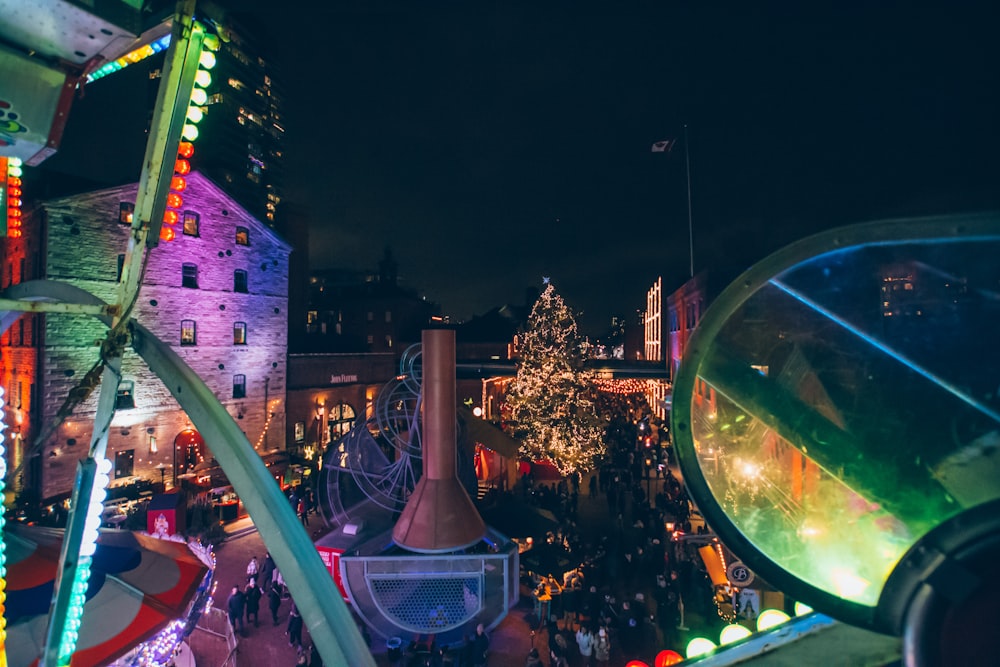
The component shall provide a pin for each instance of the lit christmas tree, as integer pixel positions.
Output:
(551, 400)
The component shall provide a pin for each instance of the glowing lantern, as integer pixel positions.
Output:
(769, 618)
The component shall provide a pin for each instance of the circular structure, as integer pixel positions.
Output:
(837, 419)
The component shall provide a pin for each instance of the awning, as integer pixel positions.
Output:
(488, 435)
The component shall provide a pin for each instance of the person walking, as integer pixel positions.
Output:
(480, 646)
(303, 511)
(274, 602)
(253, 596)
(235, 606)
(602, 648)
(252, 569)
(294, 630)
(585, 642)
(266, 572)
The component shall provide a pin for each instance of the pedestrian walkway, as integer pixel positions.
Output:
(510, 641)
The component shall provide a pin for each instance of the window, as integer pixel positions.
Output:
(190, 223)
(340, 421)
(239, 333)
(123, 463)
(188, 333)
(125, 211)
(239, 386)
(300, 431)
(240, 281)
(242, 236)
(189, 276)
(125, 399)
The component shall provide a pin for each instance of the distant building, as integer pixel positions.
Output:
(218, 294)
(352, 311)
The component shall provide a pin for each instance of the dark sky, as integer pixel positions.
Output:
(493, 143)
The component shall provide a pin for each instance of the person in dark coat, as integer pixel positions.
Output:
(266, 572)
(253, 596)
(294, 630)
(480, 646)
(273, 602)
(235, 605)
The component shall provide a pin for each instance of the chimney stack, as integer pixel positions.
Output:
(439, 516)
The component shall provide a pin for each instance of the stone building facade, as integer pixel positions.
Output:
(217, 293)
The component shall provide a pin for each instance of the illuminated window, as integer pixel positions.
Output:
(125, 399)
(340, 420)
(242, 236)
(239, 386)
(188, 333)
(190, 223)
(239, 333)
(240, 281)
(125, 211)
(189, 276)
(124, 461)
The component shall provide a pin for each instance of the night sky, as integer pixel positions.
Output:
(492, 143)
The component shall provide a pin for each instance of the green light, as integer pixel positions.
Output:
(699, 646)
(733, 633)
(207, 59)
(770, 618)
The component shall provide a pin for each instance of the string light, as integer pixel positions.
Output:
(12, 175)
(129, 58)
(3, 554)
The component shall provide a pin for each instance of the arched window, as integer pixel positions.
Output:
(340, 421)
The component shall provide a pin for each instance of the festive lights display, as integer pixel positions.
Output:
(130, 58)
(3, 552)
(267, 424)
(94, 474)
(623, 387)
(185, 149)
(12, 190)
(551, 398)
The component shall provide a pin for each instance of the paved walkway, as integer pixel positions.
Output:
(266, 644)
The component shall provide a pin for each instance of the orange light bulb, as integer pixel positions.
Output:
(174, 200)
(177, 184)
(182, 167)
(185, 149)
(166, 234)
(170, 217)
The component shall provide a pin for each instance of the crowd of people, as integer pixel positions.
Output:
(622, 597)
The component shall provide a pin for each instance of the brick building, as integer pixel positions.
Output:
(218, 293)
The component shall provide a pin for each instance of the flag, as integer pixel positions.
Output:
(663, 146)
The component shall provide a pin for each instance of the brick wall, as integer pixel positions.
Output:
(84, 241)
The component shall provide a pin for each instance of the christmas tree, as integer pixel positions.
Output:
(551, 400)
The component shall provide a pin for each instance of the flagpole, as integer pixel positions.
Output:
(687, 162)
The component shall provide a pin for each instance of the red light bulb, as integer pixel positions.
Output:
(177, 184)
(166, 234)
(174, 200)
(185, 149)
(170, 217)
(182, 167)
